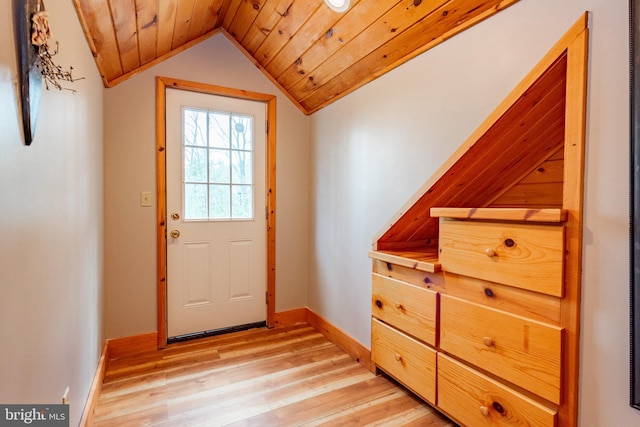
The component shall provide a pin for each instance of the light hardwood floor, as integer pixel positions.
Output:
(263, 377)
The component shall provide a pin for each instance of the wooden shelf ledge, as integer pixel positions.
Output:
(503, 214)
(418, 259)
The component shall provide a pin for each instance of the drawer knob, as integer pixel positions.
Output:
(398, 357)
(490, 252)
(484, 411)
(487, 341)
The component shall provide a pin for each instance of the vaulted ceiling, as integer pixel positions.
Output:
(313, 54)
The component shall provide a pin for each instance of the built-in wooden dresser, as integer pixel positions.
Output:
(479, 337)
(476, 280)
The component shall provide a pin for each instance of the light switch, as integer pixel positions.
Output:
(145, 199)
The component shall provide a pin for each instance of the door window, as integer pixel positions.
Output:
(217, 165)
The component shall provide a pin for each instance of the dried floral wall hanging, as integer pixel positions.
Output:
(35, 61)
(40, 34)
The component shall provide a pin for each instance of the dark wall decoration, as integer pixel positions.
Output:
(634, 200)
(29, 76)
(35, 61)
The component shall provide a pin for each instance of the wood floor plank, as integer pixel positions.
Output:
(347, 394)
(289, 376)
(238, 392)
(148, 417)
(380, 410)
(261, 386)
(132, 385)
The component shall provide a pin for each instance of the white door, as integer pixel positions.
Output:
(216, 226)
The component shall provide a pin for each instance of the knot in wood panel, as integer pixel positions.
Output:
(151, 23)
(286, 12)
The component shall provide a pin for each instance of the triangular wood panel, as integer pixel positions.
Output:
(523, 166)
(494, 168)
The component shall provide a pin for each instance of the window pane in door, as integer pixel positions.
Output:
(242, 167)
(242, 202)
(195, 127)
(218, 165)
(242, 132)
(195, 164)
(220, 207)
(195, 201)
(219, 127)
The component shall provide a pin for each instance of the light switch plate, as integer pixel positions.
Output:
(145, 199)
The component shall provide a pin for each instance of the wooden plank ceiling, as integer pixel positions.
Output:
(313, 54)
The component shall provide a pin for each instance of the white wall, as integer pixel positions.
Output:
(374, 148)
(51, 227)
(130, 241)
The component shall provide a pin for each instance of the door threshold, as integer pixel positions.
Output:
(214, 332)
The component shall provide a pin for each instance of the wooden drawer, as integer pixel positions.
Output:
(522, 351)
(527, 256)
(532, 305)
(407, 307)
(404, 358)
(474, 399)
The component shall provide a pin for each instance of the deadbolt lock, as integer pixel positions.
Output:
(175, 216)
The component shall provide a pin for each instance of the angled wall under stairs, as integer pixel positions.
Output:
(487, 256)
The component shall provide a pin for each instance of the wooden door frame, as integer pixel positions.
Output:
(162, 83)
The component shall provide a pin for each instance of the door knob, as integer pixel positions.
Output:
(175, 234)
